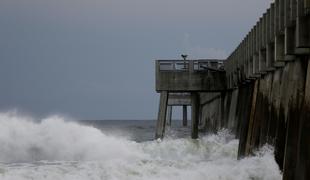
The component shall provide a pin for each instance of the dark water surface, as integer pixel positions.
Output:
(137, 130)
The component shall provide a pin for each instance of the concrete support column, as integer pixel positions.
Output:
(161, 121)
(243, 115)
(184, 115)
(195, 114)
(296, 94)
(169, 115)
(251, 123)
(303, 158)
(232, 121)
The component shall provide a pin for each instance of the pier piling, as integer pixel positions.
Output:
(195, 114)
(169, 115)
(161, 122)
(184, 121)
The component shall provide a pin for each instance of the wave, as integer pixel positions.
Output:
(55, 148)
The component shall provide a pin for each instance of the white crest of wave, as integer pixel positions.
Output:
(23, 140)
(69, 151)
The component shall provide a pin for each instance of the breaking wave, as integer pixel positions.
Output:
(57, 149)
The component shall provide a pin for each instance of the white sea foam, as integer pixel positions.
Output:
(58, 150)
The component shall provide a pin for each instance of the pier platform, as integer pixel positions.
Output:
(179, 83)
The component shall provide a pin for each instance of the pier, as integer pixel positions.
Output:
(180, 83)
(261, 92)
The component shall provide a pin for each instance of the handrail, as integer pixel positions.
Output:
(186, 65)
(173, 65)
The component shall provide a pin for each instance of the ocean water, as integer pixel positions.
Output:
(55, 148)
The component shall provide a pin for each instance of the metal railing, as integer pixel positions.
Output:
(204, 65)
(185, 65)
(173, 65)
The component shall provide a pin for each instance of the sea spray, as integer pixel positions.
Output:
(24, 140)
(54, 148)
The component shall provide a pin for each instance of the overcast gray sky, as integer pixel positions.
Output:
(94, 59)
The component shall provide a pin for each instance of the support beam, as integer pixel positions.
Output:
(184, 115)
(249, 133)
(169, 115)
(303, 159)
(161, 121)
(195, 114)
